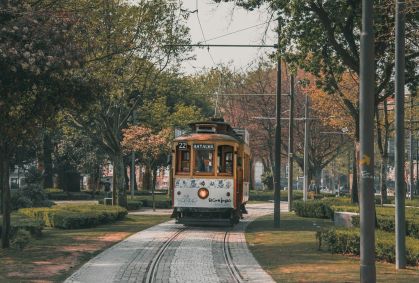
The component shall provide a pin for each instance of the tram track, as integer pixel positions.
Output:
(234, 271)
(152, 268)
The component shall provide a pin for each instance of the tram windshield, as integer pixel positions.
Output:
(204, 159)
(225, 159)
(183, 158)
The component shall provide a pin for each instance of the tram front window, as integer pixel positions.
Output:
(204, 161)
(225, 160)
(182, 158)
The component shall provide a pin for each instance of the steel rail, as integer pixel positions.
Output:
(235, 273)
(152, 268)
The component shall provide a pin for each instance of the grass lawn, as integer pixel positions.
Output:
(58, 253)
(290, 254)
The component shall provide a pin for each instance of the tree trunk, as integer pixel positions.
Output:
(153, 188)
(383, 183)
(47, 181)
(4, 172)
(135, 179)
(354, 188)
(317, 171)
(147, 178)
(119, 191)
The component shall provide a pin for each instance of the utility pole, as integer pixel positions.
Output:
(306, 138)
(277, 156)
(291, 143)
(367, 203)
(399, 139)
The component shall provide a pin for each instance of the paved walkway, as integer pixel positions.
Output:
(171, 252)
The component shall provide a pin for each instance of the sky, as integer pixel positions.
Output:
(214, 20)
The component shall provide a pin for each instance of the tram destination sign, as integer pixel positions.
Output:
(203, 146)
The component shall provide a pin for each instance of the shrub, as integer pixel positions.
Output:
(315, 209)
(69, 196)
(23, 222)
(267, 179)
(346, 241)
(31, 195)
(269, 195)
(388, 224)
(76, 216)
(133, 205)
(21, 239)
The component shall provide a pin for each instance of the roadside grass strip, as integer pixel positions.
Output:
(58, 253)
(292, 253)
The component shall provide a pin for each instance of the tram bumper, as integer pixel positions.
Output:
(205, 216)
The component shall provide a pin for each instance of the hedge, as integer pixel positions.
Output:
(326, 207)
(19, 221)
(131, 204)
(347, 241)
(76, 216)
(314, 209)
(69, 196)
(388, 224)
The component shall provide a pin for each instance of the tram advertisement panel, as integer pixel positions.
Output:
(198, 192)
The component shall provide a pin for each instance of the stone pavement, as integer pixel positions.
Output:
(171, 252)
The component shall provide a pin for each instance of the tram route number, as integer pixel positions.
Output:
(183, 145)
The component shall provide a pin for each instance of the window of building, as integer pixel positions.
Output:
(183, 158)
(204, 159)
(14, 183)
(225, 160)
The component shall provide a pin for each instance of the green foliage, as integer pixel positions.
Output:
(69, 196)
(76, 216)
(347, 241)
(23, 222)
(31, 195)
(21, 239)
(131, 204)
(315, 209)
(268, 180)
(388, 223)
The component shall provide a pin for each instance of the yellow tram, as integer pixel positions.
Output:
(209, 176)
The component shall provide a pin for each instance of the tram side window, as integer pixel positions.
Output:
(246, 168)
(183, 156)
(204, 162)
(225, 159)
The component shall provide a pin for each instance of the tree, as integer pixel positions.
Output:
(37, 52)
(130, 45)
(152, 148)
(322, 37)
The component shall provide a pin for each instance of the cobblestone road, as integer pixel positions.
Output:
(170, 252)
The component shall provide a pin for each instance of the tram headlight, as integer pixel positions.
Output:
(203, 193)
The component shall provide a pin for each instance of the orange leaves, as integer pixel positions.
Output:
(147, 143)
(333, 108)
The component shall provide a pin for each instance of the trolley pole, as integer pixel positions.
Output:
(367, 203)
(306, 133)
(277, 157)
(399, 139)
(291, 143)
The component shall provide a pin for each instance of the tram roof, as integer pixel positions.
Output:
(206, 137)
